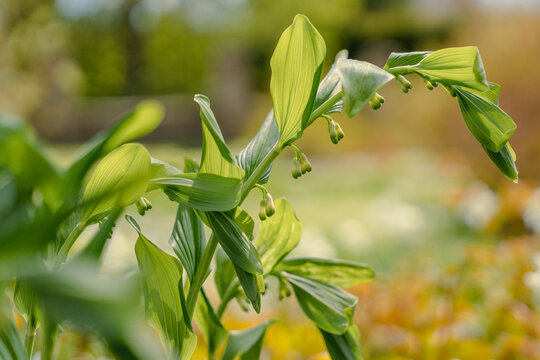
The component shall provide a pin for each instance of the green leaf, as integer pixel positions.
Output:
(360, 81)
(329, 307)
(209, 324)
(405, 59)
(329, 87)
(235, 243)
(278, 235)
(190, 166)
(460, 66)
(224, 274)
(216, 156)
(296, 70)
(491, 126)
(339, 273)
(206, 192)
(244, 221)
(491, 95)
(11, 345)
(505, 160)
(246, 344)
(187, 239)
(259, 147)
(95, 246)
(120, 179)
(345, 346)
(251, 284)
(162, 278)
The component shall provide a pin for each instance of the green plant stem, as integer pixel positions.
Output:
(321, 110)
(66, 246)
(29, 338)
(259, 171)
(200, 275)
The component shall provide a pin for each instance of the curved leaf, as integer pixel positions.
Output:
(491, 126)
(187, 239)
(246, 344)
(343, 347)
(505, 160)
(329, 307)
(278, 235)
(162, 277)
(405, 58)
(340, 273)
(296, 70)
(259, 147)
(206, 192)
(360, 81)
(209, 324)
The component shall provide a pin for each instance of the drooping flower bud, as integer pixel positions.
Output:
(262, 210)
(430, 85)
(332, 129)
(376, 101)
(305, 165)
(340, 132)
(297, 169)
(143, 205)
(404, 83)
(270, 209)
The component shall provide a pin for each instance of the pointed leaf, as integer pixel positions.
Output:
(224, 274)
(329, 307)
(491, 126)
(162, 277)
(278, 235)
(505, 160)
(296, 70)
(360, 81)
(259, 147)
(234, 242)
(340, 273)
(188, 239)
(343, 347)
(120, 179)
(246, 344)
(216, 156)
(491, 95)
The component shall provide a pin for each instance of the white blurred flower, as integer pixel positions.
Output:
(397, 218)
(353, 235)
(531, 211)
(479, 205)
(532, 278)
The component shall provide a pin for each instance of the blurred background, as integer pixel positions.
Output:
(409, 191)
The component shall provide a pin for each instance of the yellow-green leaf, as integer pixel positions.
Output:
(296, 70)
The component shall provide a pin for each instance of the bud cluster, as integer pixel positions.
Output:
(430, 85)
(301, 164)
(376, 101)
(404, 83)
(143, 205)
(336, 134)
(267, 208)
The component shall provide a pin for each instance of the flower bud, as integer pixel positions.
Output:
(305, 165)
(270, 209)
(262, 210)
(143, 205)
(430, 85)
(297, 169)
(333, 132)
(404, 83)
(374, 103)
(340, 132)
(450, 89)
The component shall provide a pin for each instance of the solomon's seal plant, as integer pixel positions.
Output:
(44, 209)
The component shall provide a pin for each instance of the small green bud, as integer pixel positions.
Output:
(450, 89)
(262, 210)
(332, 129)
(270, 209)
(340, 132)
(284, 290)
(374, 103)
(305, 165)
(404, 83)
(429, 84)
(297, 169)
(143, 205)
